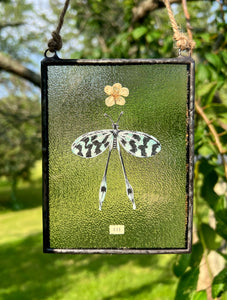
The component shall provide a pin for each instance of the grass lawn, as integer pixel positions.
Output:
(27, 273)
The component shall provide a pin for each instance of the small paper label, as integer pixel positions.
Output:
(117, 229)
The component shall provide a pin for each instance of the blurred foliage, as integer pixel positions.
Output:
(20, 120)
(20, 123)
(106, 29)
(20, 139)
(20, 133)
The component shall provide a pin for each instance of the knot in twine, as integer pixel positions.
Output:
(183, 42)
(55, 44)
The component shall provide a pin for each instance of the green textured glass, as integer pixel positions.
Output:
(160, 104)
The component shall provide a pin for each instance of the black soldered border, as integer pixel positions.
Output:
(56, 61)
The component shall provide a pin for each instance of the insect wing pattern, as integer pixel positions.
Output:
(139, 144)
(136, 143)
(93, 143)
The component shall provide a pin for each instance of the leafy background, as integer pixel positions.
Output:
(99, 29)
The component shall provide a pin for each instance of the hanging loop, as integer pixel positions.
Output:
(49, 54)
(183, 42)
(55, 43)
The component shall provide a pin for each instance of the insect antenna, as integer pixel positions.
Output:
(119, 117)
(112, 119)
(109, 117)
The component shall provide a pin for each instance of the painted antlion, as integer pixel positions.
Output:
(136, 143)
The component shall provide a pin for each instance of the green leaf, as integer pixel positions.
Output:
(139, 32)
(214, 60)
(205, 37)
(200, 295)
(199, 132)
(221, 225)
(224, 55)
(221, 204)
(208, 235)
(216, 110)
(219, 285)
(187, 285)
(202, 73)
(196, 255)
(181, 264)
(209, 181)
(149, 38)
(213, 73)
(206, 88)
(206, 149)
(211, 94)
(222, 215)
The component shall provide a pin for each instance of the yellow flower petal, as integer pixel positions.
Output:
(124, 92)
(120, 100)
(117, 86)
(108, 89)
(110, 101)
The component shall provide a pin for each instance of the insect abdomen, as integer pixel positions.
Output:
(115, 143)
(115, 134)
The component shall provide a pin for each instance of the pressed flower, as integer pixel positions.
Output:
(116, 94)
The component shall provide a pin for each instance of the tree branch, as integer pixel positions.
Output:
(12, 24)
(214, 133)
(13, 66)
(145, 7)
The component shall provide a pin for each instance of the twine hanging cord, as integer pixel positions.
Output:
(55, 43)
(182, 41)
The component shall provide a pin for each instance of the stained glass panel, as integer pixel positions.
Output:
(117, 186)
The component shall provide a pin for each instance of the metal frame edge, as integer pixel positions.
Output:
(55, 60)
